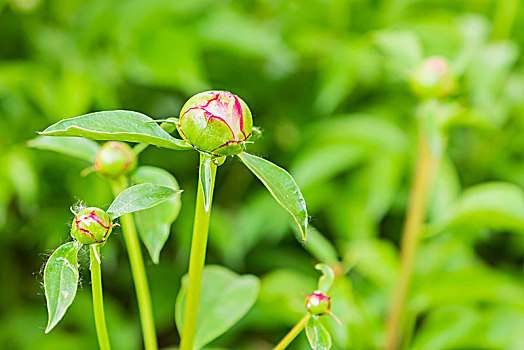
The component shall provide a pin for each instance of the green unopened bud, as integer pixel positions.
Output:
(433, 78)
(216, 122)
(317, 303)
(91, 225)
(114, 159)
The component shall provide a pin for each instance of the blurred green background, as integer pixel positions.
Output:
(327, 83)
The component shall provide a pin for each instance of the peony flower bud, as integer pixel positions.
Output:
(114, 159)
(433, 78)
(216, 122)
(318, 303)
(91, 225)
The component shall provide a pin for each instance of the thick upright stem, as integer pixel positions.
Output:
(427, 164)
(196, 264)
(98, 300)
(293, 333)
(136, 261)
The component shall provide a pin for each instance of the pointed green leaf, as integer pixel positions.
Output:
(226, 298)
(326, 280)
(401, 48)
(76, 147)
(281, 186)
(496, 205)
(116, 126)
(154, 224)
(317, 334)
(61, 281)
(140, 197)
(205, 179)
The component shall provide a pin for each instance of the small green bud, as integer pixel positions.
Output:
(433, 78)
(216, 122)
(317, 303)
(91, 225)
(114, 159)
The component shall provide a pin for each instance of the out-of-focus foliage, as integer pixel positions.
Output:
(327, 81)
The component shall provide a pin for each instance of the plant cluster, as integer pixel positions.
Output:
(400, 121)
(217, 124)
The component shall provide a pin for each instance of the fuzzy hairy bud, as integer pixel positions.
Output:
(91, 225)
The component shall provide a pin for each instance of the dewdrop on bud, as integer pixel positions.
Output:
(91, 225)
(216, 122)
(114, 159)
(433, 78)
(317, 303)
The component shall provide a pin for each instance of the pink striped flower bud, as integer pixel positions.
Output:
(91, 225)
(216, 122)
(318, 303)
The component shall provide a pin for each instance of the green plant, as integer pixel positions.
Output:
(216, 124)
(432, 81)
(317, 304)
(91, 227)
(327, 82)
(117, 162)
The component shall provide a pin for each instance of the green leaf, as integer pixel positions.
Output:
(488, 73)
(326, 280)
(154, 224)
(447, 327)
(76, 147)
(401, 48)
(474, 31)
(323, 162)
(317, 334)
(281, 186)
(226, 297)
(369, 132)
(140, 197)
(205, 179)
(493, 205)
(61, 281)
(473, 284)
(116, 126)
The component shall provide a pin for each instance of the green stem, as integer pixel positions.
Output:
(98, 299)
(427, 164)
(196, 263)
(138, 270)
(293, 333)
